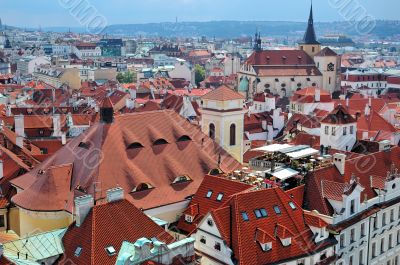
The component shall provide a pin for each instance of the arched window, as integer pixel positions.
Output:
(211, 131)
(232, 140)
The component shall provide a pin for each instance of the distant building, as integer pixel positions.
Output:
(58, 77)
(110, 47)
(336, 41)
(283, 72)
(27, 65)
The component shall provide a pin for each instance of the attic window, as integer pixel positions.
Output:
(209, 194)
(260, 213)
(184, 138)
(291, 204)
(220, 196)
(84, 145)
(135, 145)
(110, 251)
(78, 251)
(277, 209)
(160, 142)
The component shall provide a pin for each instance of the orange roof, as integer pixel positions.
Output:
(109, 225)
(223, 93)
(239, 233)
(339, 115)
(201, 204)
(138, 148)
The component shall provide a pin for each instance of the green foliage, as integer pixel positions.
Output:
(127, 77)
(200, 74)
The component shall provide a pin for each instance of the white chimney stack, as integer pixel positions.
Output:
(115, 194)
(347, 102)
(317, 95)
(19, 125)
(19, 141)
(1, 169)
(367, 110)
(339, 160)
(64, 139)
(264, 124)
(56, 125)
(83, 205)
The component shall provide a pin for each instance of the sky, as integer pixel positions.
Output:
(47, 13)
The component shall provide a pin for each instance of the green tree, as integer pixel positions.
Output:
(200, 74)
(127, 77)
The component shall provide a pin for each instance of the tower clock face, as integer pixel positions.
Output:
(331, 67)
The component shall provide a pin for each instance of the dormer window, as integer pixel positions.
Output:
(181, 179)
(352, 207)
(84, 145)
(266, 247)
(160, 142)
(184, 138)
(135, 145)
(142, 187)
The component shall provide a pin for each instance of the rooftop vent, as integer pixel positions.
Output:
(110, 251)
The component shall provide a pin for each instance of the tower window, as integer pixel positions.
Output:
(232, 140)
(313, 49)
(211, 131)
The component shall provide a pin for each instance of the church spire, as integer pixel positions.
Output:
(309, 36)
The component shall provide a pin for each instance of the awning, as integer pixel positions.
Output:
(283, 173)
(273, 148)
(303, 153)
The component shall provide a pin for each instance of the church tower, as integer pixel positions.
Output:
(310, 44)
(222, 119)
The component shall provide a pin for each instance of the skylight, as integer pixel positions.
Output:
(291, 204)
(245, 216)
(78, 251)
(209, 193)
(257, 213)
(277, 209)
(110, 251)
(220, 196)
(263, 212)
(260, 213)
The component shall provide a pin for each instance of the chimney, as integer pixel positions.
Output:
(317, 95)
(347, 102)
(384, 145)
(83, 205)
(1, 169)
(19, 125)
(115, 194)
(264, 124)
(339, 160)
(8, 110)
(364, 135)
(63, 138)
(56, 125)
(367, 110)
(19, 141)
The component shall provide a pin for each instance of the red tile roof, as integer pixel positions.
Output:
(326, 52)
(280, 57)
(223, 93)
(112, 155)
(328, 182)
(307, 95)
(313, 220)
(240, 234)
(109, 225)
(339, 115)
(201, 205)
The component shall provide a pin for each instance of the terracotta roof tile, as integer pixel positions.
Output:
(124, 154)
(223, 93)
(109, 225)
